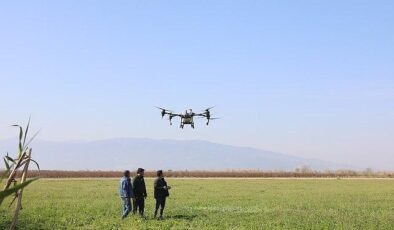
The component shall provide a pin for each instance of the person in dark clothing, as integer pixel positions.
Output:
(139, 191)
(126, 193)
(161, 193)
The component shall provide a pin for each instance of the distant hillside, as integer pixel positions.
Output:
(129, 153)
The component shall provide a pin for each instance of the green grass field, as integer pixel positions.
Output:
(212, 204)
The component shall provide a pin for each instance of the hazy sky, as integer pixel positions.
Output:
(307, 78)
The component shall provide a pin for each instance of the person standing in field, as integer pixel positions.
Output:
(139, 191)
(126, 193)
(161, 193)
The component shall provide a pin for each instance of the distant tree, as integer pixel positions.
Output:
(306, 169)
(368, 171)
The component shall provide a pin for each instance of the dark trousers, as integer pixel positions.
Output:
(139, 203)
(160, 203)
(126, 206)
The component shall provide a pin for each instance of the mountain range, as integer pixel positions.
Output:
(130, 153)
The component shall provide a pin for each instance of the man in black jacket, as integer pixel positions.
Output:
(139, 191)
(161, 193)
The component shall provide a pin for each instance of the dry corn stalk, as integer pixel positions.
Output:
(13, 166)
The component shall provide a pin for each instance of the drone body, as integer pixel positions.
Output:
(187, 118)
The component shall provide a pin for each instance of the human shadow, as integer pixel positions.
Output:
(182, 217)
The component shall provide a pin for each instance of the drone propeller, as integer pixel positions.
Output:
(215, 118)
(164, 111)
(207, 112)
(210, 118)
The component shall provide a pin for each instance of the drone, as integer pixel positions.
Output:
(187, 116)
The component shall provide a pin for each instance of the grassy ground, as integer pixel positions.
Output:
(213, 204)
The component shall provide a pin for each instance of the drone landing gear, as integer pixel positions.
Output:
(192, 126)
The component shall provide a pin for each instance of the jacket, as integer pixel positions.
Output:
(159, 190)
(125, 187)
(139, 188)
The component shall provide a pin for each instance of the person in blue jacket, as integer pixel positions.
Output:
(126, 193)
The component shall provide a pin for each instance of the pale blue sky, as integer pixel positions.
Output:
(308, 78)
